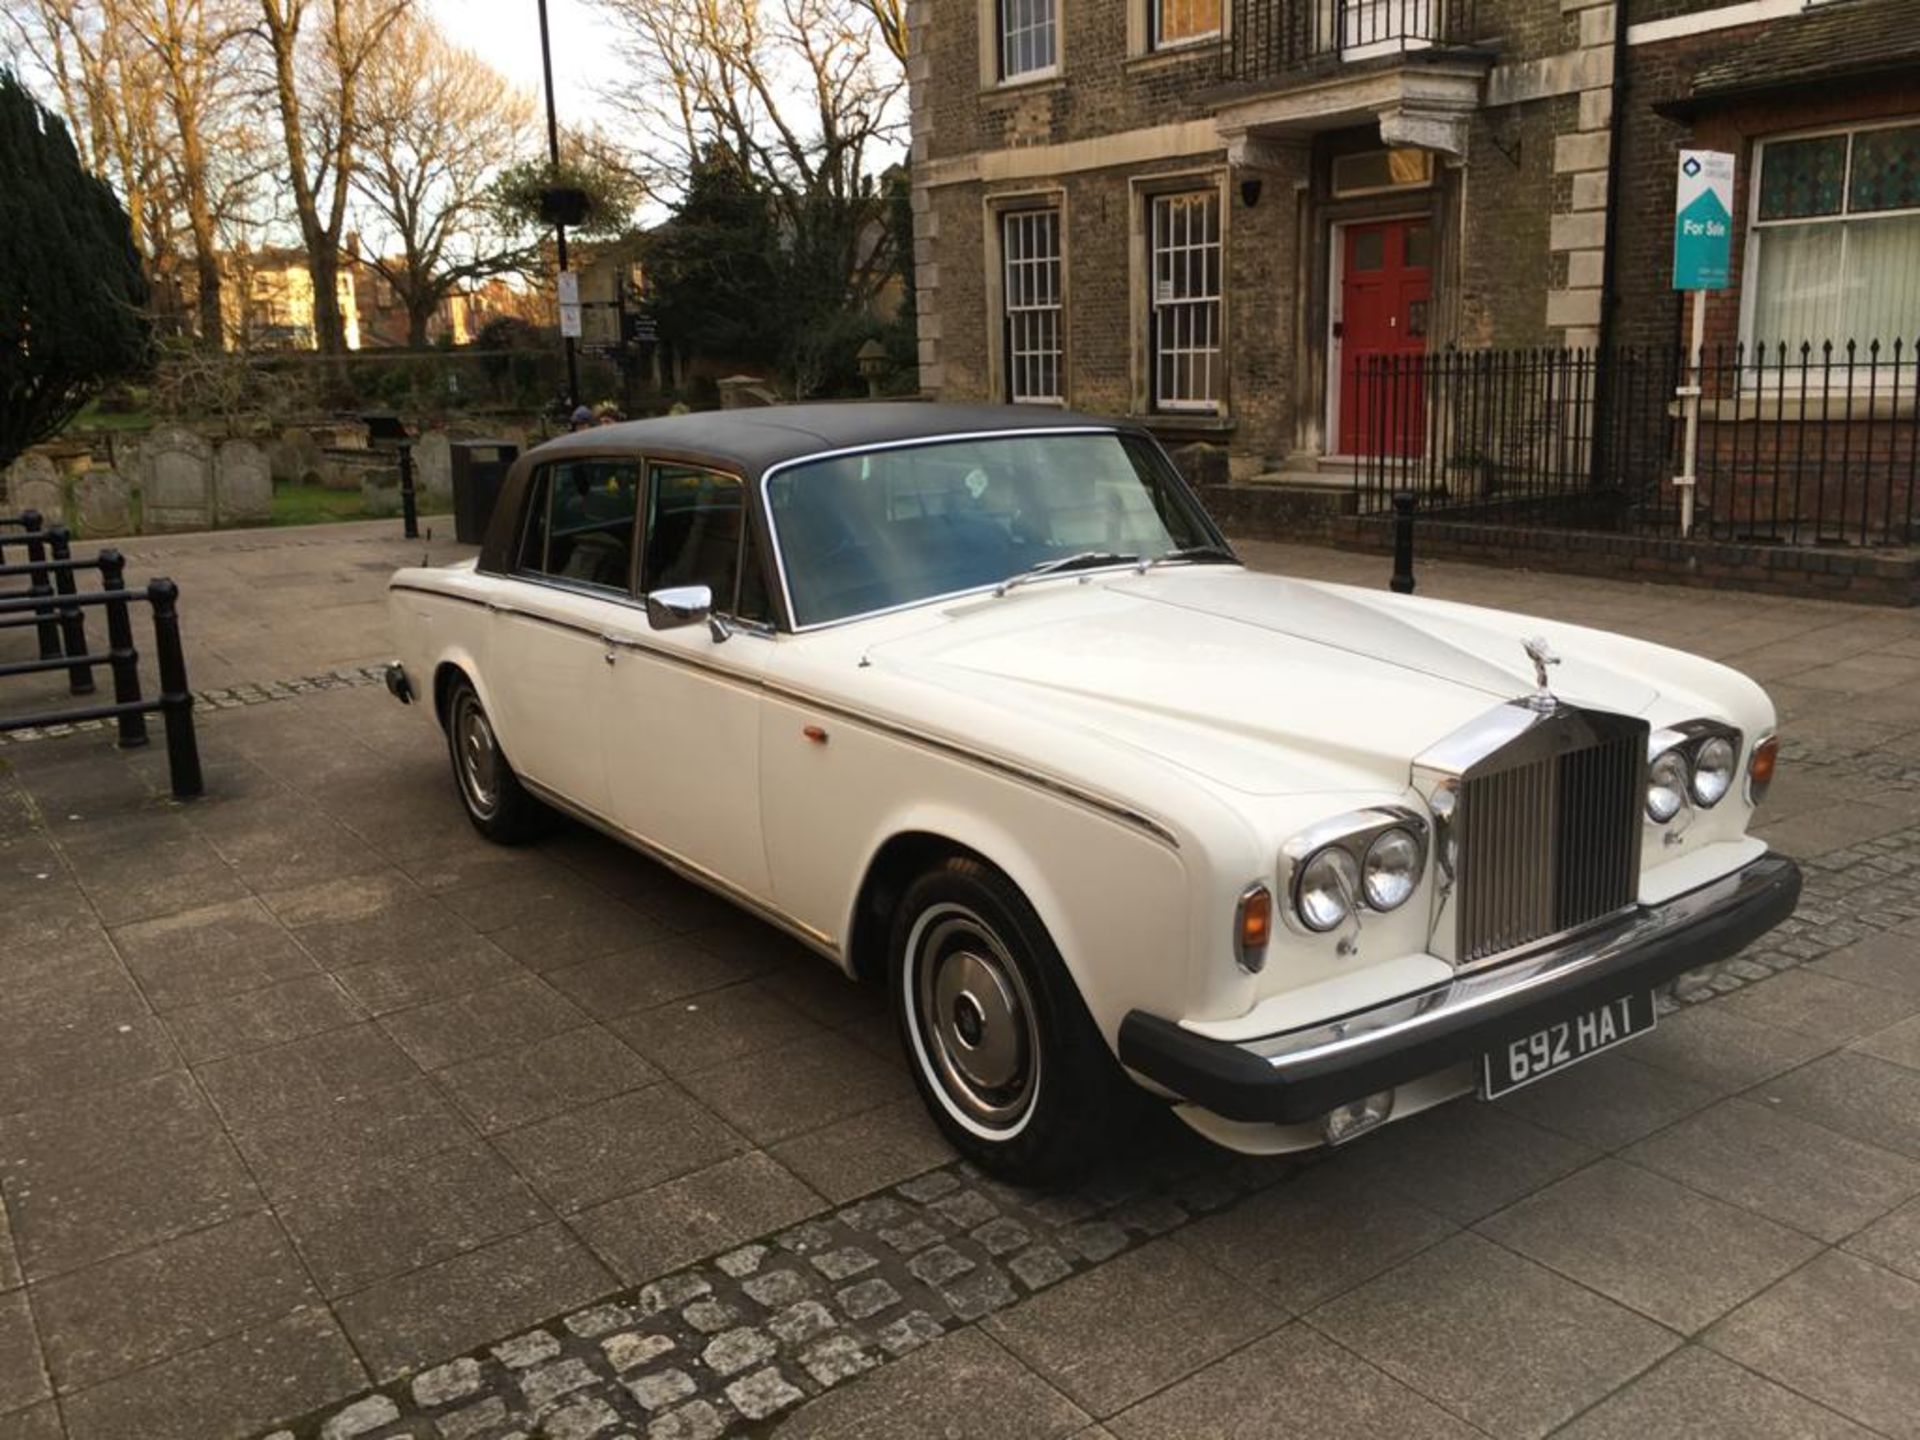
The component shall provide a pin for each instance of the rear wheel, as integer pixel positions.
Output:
(1001, 1046)
(497, 803)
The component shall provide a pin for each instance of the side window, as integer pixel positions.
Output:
(694, 522)
(580, 522)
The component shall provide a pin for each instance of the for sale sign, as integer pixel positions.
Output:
(1703, 221)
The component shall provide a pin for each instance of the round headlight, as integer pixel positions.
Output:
(1666, 786)
(1328, 881)
(1713, 765)
(1392, 869)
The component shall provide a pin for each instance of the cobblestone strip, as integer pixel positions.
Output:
(725, 1347)
(233, 697)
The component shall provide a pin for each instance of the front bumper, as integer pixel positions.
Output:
(1299, 1075)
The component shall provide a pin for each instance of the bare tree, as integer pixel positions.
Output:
(438, 126)
(156, 98)
(321, 51)
(804, 92)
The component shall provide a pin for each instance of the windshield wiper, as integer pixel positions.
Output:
(1063, 563)
(1191, 552)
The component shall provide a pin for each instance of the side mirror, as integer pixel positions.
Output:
(682, 605)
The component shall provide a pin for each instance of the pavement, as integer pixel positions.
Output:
(320, 1117)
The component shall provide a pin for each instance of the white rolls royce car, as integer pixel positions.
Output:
(978, 703)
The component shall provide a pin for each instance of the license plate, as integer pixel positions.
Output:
(1528, 1058)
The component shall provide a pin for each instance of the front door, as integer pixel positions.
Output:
(1386, 285)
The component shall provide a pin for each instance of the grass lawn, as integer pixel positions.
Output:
(317, 505)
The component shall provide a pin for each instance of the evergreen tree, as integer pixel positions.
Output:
(714, 270)
(72, 296)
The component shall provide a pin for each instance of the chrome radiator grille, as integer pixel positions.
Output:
(1549, 841)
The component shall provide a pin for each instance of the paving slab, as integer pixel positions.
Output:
(612, 1148)
(1892, 1241)
(1858, 1095)
(1780, 1166)
(1292, 1382)
(657, 1230)
(1819, 1006)
(23, 1373)
(180, 1295)
(1725, 1052)
(1314, 1236)
(435, 1313)
(1697, 1394)
(1841, 1331)
(1608, 1101)
(1181, 1314)
(517, 1087)
(1503, 1343)
(1671, 1253)
(966, 1384)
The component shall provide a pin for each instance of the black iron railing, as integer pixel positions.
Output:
(54, 598)
(1800, 446)
(1271, 39)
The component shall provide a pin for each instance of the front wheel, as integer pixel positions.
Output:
(1001, 1046)
(496, 801)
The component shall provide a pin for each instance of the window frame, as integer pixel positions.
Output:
(540, 486)
(994, 25)
(1755, 376)
(1151, 199)
(1004, 217)
(1158, 44)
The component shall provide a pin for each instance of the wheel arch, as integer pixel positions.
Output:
(913, 843)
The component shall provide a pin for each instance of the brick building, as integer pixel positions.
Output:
(1203, 213)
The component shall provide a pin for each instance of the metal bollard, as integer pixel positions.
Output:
(73, 620)
(409, 507)
(1402, 582)
(122, 658)
(176, 701)
(38, 587)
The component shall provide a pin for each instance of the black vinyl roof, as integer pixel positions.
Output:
(754, 440)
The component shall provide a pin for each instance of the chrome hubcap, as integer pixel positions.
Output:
(479, 758)
(974, 1019)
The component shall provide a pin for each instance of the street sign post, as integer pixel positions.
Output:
(570, 304)
(1702, 263)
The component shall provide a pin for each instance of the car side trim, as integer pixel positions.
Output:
(692, 870)
(1038, 779)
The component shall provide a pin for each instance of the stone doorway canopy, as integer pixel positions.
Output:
(1418, 102)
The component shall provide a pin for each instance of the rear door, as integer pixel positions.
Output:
(551, 654)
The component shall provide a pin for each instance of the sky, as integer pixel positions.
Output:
(506, 34)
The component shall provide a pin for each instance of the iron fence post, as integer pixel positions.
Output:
(122, 658)
(176, 701)
(73, 621)
(38, 587)
(409, 509)
(1402, 582)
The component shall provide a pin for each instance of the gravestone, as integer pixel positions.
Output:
(433, 465)
(33, 483)
(295, 458)
(380, 491)
(242, 485)
(179, 481)
(102, 503)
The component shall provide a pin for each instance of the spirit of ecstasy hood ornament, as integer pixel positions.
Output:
(1542, 656)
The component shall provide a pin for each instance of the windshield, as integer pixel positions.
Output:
(884, 528)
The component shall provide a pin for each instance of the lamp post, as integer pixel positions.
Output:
(551, 207)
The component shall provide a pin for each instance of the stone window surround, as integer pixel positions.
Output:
(994, 206)
(1141, 190)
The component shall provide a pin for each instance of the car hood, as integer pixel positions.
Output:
(1258, 682)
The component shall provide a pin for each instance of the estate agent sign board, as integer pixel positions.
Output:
(1703, 221)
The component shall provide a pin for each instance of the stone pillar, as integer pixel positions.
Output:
(1580, 229)
(926, 220)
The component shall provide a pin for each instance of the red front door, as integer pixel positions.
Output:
(1386, 282)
